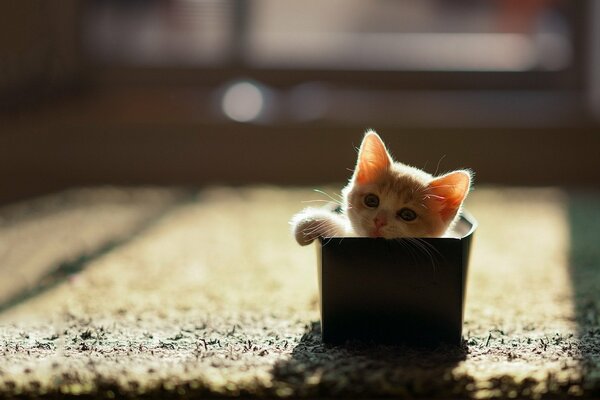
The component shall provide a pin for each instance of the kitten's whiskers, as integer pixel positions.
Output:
(330, 197)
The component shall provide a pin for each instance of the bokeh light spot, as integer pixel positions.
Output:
(243, 101)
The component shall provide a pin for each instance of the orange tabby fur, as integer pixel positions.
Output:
(387, 199)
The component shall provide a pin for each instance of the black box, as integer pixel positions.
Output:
(408, 290)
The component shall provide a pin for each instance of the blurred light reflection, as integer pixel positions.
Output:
(243, 101)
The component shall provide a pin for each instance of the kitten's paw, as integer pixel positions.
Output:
(312, 223)
(308, 230)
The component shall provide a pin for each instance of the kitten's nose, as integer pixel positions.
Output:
(380, 221)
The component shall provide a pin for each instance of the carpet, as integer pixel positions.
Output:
(158, 292)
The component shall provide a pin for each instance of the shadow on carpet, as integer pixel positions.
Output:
(360, 369)
(584, 221)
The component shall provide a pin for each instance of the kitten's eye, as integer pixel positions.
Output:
(371, 200)
(406, 214)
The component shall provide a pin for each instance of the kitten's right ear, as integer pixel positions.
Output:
(373, 159)
(446, 193)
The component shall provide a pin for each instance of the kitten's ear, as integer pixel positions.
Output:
(373, 159)
(446, 193)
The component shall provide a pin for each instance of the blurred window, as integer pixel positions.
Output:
(160, 33)
(447, 63)
(424, 35)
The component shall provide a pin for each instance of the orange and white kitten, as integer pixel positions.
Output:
(387, 199)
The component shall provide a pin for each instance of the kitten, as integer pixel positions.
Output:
(387, 199)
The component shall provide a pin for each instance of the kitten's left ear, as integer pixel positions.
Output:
(373, 159)
(446, 193)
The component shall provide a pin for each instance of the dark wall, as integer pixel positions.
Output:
(66, 121)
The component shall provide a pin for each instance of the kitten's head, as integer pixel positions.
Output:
(389, 199)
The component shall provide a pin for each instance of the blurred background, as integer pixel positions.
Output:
(196, 92)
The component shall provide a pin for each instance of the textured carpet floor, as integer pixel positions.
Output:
(121, 292)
